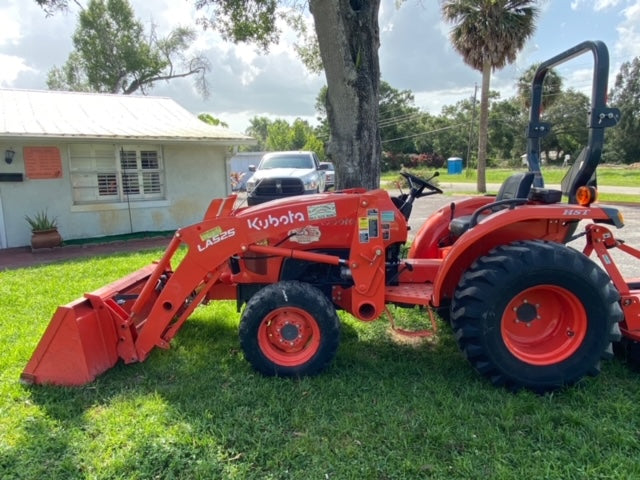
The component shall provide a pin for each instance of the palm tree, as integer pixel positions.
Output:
(489, 34)
(551, 87)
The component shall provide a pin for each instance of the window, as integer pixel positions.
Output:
(108, 173)
(287, 161)
(140, 172)
(107, 184)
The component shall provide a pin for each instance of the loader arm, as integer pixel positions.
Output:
(128, 318)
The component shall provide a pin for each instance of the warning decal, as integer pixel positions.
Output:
(369, 226)
(363, 228)
(388, 216)
(318, 212)
(308, 234)
(373, 223)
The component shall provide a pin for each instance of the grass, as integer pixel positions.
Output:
(607, 175)
(603, 197)
(384, 410)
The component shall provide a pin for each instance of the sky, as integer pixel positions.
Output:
(415, 54)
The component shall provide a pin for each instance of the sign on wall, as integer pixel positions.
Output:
(42, 162)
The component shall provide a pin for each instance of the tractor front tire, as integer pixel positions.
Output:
(289, 329)
(535, 315)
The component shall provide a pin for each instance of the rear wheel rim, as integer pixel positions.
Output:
(544, 325)
(289, 336)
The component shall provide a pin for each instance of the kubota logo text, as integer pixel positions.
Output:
(271, 221)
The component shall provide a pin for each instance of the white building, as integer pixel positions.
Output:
(106, 164)
(240, 164)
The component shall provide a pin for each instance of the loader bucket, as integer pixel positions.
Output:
(85, 337)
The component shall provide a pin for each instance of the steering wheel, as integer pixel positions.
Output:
(418, 184)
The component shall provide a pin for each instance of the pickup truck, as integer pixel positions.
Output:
(285, 174)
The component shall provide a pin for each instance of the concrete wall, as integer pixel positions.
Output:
(194, 175)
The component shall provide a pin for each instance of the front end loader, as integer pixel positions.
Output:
(528, 309)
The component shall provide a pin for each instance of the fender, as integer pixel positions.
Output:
(552, 223)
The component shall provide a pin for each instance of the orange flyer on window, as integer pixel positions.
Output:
(42, 162)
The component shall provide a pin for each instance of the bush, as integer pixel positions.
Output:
(395, 161)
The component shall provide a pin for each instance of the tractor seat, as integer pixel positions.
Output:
(513, 191)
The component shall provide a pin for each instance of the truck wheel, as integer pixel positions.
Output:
(289, 329)
(535, 315)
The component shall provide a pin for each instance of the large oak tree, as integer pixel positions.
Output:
(113, 53)
(348, 40)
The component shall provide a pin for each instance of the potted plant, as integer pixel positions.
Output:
(44, 231)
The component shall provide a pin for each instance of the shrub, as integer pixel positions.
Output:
(41, 222)
(395, 161)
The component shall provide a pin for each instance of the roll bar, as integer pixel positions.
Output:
(599, 117)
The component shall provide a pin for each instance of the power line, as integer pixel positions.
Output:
(393, 121)
(401, 119)
(424, 133)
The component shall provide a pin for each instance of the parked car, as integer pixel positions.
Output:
(285, 174)
(329, 175)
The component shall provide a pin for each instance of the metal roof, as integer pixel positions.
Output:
(92, 116)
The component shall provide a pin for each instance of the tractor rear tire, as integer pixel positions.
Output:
(535, 315)
(289, 329)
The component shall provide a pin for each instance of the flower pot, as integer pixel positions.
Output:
(46, 239)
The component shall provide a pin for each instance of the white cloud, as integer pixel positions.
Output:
(9, 28)
(598, 5)
(604, 4)
(628, 44)
(12, 66)
(433, 100)
(579, 79)
(165, 15)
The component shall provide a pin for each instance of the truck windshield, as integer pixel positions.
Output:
(289, 161)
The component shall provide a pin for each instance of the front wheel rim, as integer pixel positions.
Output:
(289, 336)
(544, 325)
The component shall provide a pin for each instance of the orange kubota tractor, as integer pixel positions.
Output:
(528, 311)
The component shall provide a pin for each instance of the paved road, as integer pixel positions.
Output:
(630, 233)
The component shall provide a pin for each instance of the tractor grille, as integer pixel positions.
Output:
(279, 187)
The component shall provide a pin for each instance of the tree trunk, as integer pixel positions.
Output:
(348, 37)
(483, 129)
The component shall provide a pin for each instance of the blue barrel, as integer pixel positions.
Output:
(454, 165)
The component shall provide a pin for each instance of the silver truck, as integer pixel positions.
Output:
(285, 174)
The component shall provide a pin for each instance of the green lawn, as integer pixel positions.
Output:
(386, 409)
(607, 175)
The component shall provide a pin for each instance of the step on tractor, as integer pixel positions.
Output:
(528, 311)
